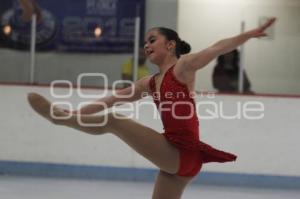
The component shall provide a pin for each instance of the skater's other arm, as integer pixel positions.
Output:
(129, 94)
(195, 61)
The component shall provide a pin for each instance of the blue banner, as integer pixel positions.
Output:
(105, 26)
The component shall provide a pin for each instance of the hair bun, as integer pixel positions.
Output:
(184, 47)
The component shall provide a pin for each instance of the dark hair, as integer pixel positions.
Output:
(235, 59)
(182, 47)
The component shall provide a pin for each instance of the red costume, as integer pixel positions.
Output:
(178, 113)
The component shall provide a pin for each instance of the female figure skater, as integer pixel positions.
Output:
(177, 152)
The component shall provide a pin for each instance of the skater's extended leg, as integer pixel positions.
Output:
(146, 141)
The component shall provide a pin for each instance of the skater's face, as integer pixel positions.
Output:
(157, 47)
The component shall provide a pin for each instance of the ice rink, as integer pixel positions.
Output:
(54, 188)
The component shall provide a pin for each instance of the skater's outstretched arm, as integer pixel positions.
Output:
(129, 94)
(198, 60)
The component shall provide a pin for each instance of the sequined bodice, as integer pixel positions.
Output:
(175, 104)
(178, 113)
